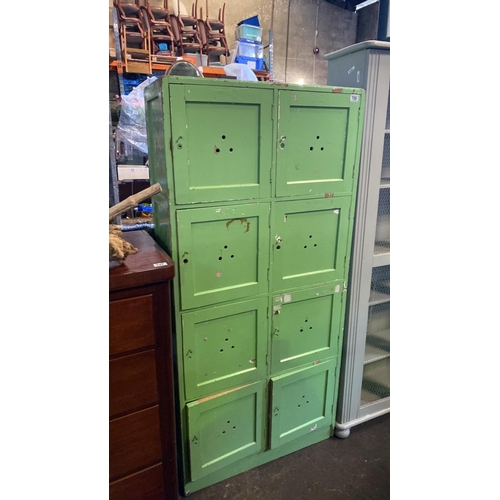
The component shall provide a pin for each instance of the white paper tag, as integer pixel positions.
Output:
(160, 264)
(354, 98)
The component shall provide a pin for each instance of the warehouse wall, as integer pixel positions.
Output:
(298, 26)
(367, 23)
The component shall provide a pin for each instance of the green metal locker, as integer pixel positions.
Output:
(256, 211)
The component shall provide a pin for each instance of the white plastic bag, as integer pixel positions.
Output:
(241, 72)
(132, 122)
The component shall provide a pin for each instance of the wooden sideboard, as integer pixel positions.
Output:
(142, 441)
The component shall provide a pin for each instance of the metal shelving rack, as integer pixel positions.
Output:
(365, 374)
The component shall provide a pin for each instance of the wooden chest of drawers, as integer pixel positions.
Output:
(142, 446)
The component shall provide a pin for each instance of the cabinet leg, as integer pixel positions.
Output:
(342, 433)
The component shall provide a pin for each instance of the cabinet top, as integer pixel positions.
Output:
(151, 264)
(153, 89)
(368, 44)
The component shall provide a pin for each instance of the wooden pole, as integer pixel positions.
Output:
(134, 200)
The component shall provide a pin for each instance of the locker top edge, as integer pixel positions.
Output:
(186, 80)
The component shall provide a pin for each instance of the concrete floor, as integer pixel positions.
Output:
(356, 468)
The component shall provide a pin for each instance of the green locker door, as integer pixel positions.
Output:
(224, 346)
(305, 326)
(223, 253)
(301, 402)
(221, 142)
(225, 428)
(309, 241)
(317, 139)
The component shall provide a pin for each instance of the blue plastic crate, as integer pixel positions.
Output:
(248, 49)
(252, 62)
(248, 32)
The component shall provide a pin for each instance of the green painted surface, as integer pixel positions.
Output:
(301, 401)
(305, 326)
(225, 428)
(220, 216)
(317, 138)
(224, 346)
(309, 241)
(222, 143)
(224, 253)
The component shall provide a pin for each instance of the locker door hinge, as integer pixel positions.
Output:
(267, 359)
(349, 214)
(267, 312)
(267, 274)
(353, 170)
(272, 111)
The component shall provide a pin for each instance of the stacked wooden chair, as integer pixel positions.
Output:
(134, 39)
(212, 34)
(186, 32)
(157, 22)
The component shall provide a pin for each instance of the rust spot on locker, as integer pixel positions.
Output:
(337, 91)
(243, 221)
(328, 195)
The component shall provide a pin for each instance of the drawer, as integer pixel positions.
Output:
(131, 324)
(132, 382)
(146, 484)
(134, 443)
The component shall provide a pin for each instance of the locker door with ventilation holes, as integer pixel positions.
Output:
(317, 142)
(221, 142)
(223, 253)
(225, 428)
(301, 402)
(305, 326)
(309, 241)
(224, 346)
